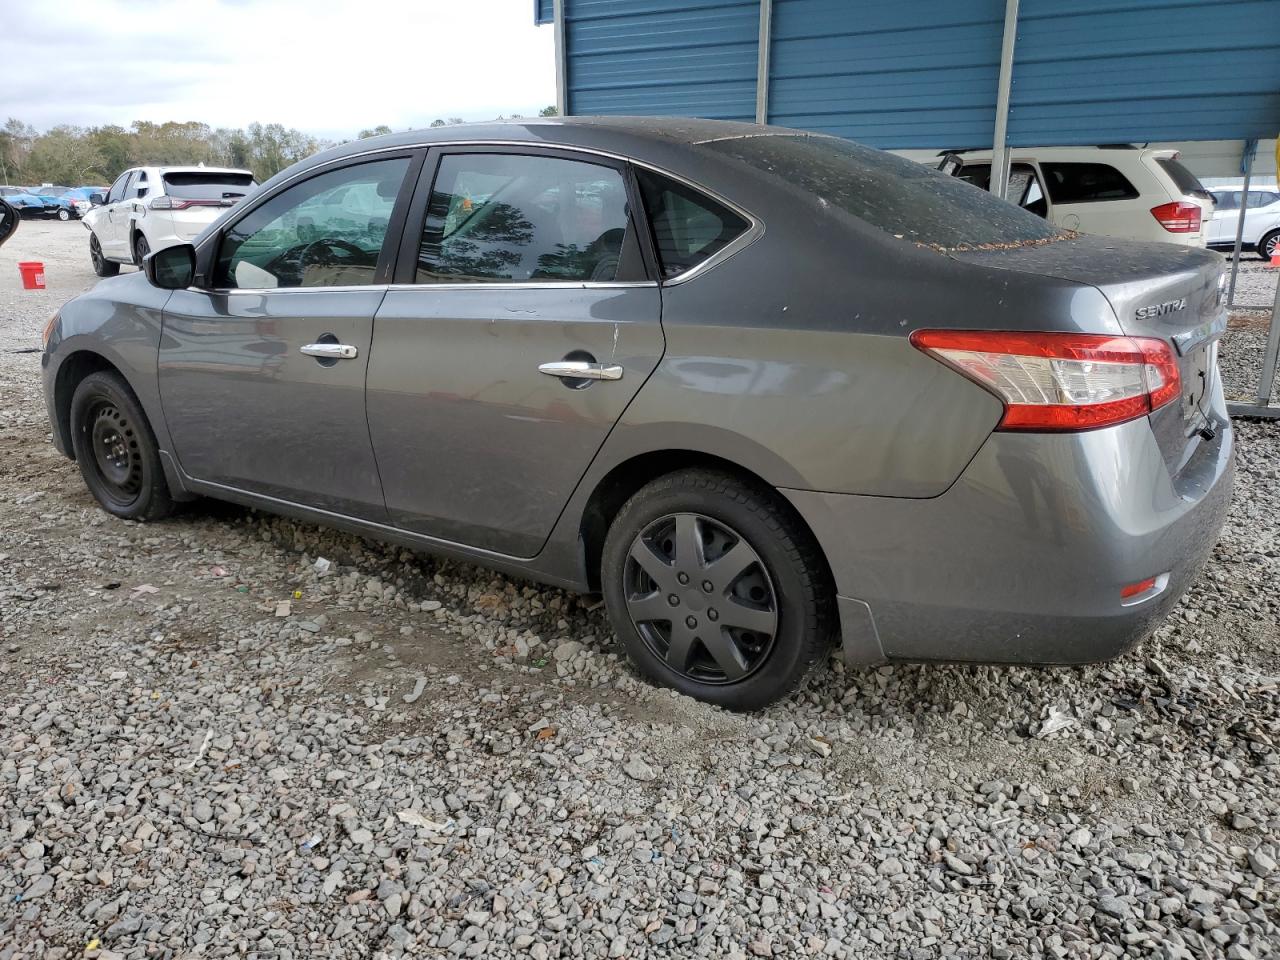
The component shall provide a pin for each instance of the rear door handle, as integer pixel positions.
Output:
(330, 351)
(581, 370)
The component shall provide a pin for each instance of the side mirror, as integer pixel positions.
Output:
(173, 268)
(9, 220)
(97, 199)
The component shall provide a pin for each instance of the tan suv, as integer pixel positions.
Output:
(1115, 191)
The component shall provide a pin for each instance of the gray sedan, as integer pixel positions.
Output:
(757, 387)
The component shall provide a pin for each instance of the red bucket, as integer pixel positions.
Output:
(32, 275)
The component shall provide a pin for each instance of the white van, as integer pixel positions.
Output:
(1115, 191)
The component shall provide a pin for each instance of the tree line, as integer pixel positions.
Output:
(73, 155)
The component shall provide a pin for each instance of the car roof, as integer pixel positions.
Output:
(187, 168)
(626, 136)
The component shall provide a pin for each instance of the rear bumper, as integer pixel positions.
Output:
(1022, 560)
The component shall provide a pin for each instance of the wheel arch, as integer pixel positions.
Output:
(71, 372)
(624, 479)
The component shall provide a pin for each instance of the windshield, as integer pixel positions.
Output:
(904, 199)
(197, 185)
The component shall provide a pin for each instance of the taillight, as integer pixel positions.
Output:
(1178, 216)
(1060, 381)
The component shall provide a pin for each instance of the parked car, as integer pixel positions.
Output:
(150, 208)
(1261, 219)
(1115, 191)
(64, 207)
(27, 203)
(751, 384)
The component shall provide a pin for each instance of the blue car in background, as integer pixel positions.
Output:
(67, 205)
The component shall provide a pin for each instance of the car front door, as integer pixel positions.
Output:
(113, 212)
(262, 368)
(522, 322)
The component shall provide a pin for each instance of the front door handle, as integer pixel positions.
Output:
(581, 370)
(330, 351)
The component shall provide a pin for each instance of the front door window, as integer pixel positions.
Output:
(327, 231)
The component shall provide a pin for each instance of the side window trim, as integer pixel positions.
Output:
(406, 265)
(207, 252)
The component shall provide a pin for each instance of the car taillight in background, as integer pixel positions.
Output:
(1178, 216)
(1060, 381)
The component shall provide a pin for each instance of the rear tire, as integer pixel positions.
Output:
(742, 635)
(1268, 245)
(140, 248)
(116, 450)
(101, 265)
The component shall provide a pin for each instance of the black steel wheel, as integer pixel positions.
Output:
(700, 597)
(116, 450)
(101, 265)
(717, 589)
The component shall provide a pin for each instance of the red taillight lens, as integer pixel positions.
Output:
(1178, 216)
(1133, 589)
(1060, 381)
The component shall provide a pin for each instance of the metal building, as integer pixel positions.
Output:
(927, 73)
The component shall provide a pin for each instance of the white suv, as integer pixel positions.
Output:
(150, 208)
(1261, 219)
(1115, 191)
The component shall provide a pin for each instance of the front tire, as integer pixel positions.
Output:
(116, 450)
(1269, 245)
(140, 248)
(101, 265)
(717, 589)
(64, 213)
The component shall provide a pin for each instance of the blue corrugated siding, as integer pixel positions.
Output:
(656, 57)
(1099, 71)
(543, 11)
(923, 73)
(918, 73)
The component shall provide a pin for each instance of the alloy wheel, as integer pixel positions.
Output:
(700, 597)
(95, 252)
(1270, 247)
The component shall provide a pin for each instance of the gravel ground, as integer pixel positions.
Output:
(1241, 352)
(211, 745)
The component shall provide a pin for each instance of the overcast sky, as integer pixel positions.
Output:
(327, 67)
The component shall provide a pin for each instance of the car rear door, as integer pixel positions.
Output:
(262, 368)
(522, 322)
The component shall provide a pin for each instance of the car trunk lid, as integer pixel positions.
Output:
(1159, 290)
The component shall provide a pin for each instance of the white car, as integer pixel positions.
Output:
(1261, 219)
(1114, 191)
(150, 208)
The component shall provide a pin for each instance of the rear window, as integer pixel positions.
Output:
(207, 186)
(1183, 178)
(904, 199)
(1086, 183)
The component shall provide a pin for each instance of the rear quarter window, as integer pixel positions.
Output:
(1086, 183)
(906, 200)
